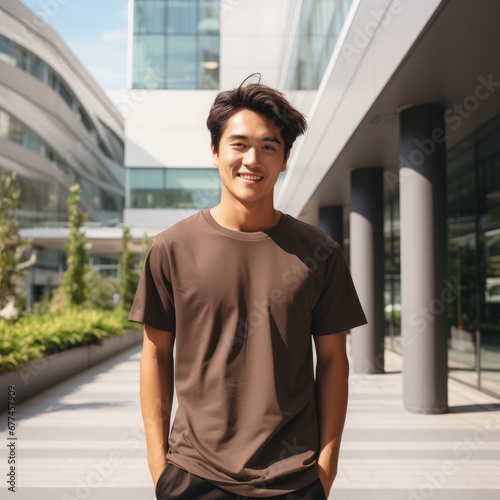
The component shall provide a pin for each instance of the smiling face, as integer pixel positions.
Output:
(250, 157)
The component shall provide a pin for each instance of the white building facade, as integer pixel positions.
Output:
(400, 163)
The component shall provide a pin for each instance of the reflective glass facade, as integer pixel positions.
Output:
(42, 198)
(474, 217)
(473, 172)
(176, 44)
(15, 55)
(319, 29)
(392, 269)
(172, 188)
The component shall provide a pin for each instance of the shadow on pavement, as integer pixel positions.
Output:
(477, 408)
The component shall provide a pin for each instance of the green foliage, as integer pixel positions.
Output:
(104, 288)
(73, 281)
(13, 249)
(36, 336)
(128, 272)
(147, 242)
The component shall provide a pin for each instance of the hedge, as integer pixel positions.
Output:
(37, 335)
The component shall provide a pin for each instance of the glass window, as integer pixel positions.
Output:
(149, 62)
(462, 267)
(139, 16)
(488, 163)
(147, 188)
(16, 55)
(49, 257)
(181, 62)
(192, 188)
(209, 18)
(32, 142)
(4, 124)
(488, 153)
(42, 200)
(392, 279)
(321, 23)
(150, 16)
(183, 53)
(182, 16)
(9, 52)
(15, 129)
(209, 46)
(116, 143)
(53, 193)
(154, 17)
(67, 170)
(65, 93)
(172, 188)
(37, 68)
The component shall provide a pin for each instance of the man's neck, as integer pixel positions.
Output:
(246, 219)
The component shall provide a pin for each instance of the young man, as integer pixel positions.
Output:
(241, 289)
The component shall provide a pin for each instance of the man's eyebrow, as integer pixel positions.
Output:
(236, 136)
(270, 138)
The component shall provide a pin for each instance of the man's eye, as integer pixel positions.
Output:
(270, 148)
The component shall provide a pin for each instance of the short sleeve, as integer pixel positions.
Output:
(154, 300)
(338, 307)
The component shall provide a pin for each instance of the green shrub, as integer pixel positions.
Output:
(128, 272)
(102, 291)
(35, 336)
(77, 257)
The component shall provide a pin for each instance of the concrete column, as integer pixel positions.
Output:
(367, 266)
(331, 222)
(424, 291)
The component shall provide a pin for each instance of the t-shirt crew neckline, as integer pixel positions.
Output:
(257, 235)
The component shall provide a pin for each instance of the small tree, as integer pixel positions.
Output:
(77, 258)
(147, 243)
(13, 248)
(128, 272)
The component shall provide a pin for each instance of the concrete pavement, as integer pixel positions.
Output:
(391, 454)
(83, 440)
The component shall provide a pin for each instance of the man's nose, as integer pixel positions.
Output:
(251, 158)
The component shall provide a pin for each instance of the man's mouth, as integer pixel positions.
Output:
(250, 177)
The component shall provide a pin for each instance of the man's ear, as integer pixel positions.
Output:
(285, 161)
(215, 156)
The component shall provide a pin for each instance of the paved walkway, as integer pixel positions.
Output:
(83, 440)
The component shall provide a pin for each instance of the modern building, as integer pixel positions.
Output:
(401, 162)
(57, 128)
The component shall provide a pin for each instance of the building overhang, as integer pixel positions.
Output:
(101, 241)
(436, 52)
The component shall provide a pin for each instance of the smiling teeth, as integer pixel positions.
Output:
(250, 177)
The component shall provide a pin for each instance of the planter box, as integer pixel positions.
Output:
(40, 374)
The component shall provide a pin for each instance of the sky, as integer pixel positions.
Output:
(96, 32)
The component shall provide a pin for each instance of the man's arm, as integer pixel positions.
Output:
(332, 372)
(157, 392)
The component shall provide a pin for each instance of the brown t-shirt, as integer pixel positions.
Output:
(243, 307)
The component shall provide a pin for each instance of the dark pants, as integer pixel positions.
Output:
(177, 484)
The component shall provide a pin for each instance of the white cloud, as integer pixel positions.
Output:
(114, 36)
